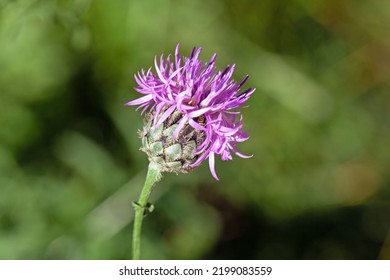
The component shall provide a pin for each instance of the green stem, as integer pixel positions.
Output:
(152, 177)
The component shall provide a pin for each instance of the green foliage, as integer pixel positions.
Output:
(317, 187)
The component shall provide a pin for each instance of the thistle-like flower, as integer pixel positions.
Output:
(192, 112)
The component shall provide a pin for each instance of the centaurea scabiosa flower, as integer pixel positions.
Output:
(190, 103)
(191, 114)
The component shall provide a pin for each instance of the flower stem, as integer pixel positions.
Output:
(141, 207)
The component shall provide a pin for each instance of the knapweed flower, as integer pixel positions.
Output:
(192, 112)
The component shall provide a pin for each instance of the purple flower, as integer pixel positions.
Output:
(206, 98)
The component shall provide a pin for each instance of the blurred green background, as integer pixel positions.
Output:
(318, 186)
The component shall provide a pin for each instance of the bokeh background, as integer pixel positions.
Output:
(318, 186)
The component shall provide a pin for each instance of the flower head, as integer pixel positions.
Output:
(195, 103)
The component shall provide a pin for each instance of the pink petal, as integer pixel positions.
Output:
(166, 114)
(212, 167)
(179, 127)
(157, 111)
(143, 99)
(195, 125)
(158, 71)
(241, 155)
(199, 112)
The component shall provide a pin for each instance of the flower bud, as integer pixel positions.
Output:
(170, 154)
